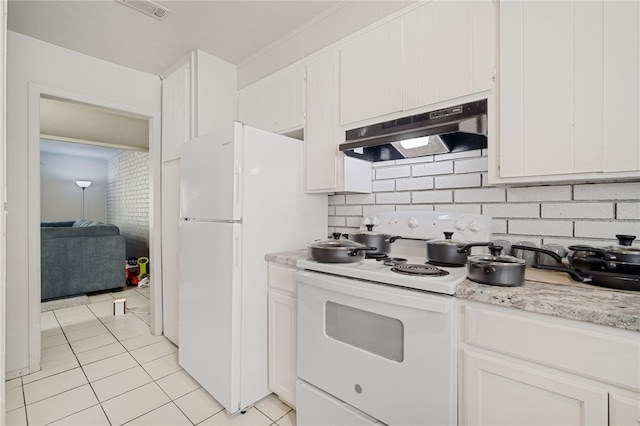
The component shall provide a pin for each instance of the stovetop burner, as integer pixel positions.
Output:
(445, 264)
(419, 270)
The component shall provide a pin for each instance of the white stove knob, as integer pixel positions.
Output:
(475, 226)
(460, 225)
(413, 222)
(375, 221)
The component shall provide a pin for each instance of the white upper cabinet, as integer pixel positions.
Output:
(447, 51)
(569, 92)
(274, 104)
(176, 106)
(326, 168)
(371, 74)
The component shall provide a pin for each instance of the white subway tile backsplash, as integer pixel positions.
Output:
(432, 197)
(457, 181)
(331, 211)
(383, 185)
(539, 193)
(471, 165)
(578, 210)
(336, 221)
(512, 210)
(372, 211)
(414, 184)
(354, 222)
(430, 169)
(335, 200)
(393, 172)
(628, 210)
(608, 191)
(498, 226)
(416, 160)
(393, 198)
(554, 213)
(480, 195)
(606, 229)
(349, 210)
(361, 199)
(540, 227)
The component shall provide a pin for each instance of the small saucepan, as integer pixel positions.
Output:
(337, 250)
(496, 269)
(449, 252)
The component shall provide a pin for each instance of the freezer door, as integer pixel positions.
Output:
(210, 308)
(211, 176)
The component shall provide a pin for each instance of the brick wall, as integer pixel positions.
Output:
(560, 214)
(128, 199)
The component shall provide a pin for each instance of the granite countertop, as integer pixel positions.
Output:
(543, 292)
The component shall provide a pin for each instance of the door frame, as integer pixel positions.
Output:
(36, 91)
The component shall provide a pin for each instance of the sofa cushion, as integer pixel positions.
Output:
(85, 231)
(57, 224)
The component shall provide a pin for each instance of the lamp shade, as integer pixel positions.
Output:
(83, 183)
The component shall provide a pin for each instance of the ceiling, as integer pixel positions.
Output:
(231, 30)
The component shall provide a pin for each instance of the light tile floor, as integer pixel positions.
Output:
(101, 369)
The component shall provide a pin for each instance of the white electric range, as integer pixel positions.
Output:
(376, 346)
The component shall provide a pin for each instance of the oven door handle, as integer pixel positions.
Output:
(377, 292)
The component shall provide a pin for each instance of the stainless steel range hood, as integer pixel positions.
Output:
(459, 128)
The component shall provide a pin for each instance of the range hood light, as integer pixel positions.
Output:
(417, 142)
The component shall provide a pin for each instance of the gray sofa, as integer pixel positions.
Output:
(79, 257)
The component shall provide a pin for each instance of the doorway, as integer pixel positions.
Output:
(44, 99)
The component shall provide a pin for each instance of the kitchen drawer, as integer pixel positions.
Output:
(604, 353)
(282, 278)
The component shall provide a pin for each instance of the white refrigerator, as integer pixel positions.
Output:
(241, 196)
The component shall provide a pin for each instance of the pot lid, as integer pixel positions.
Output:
(369, 231)
(335, 243)
(624, 245)
(495, 258)
(448, 241)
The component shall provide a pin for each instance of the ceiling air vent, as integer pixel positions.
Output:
(147, 7)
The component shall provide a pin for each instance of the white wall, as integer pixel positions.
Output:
(35, 65)
(60, 197)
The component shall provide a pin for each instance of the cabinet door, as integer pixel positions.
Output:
(283, 345)
(447, 51)
(371, 74)
(498, 392)
(176, 101)
(275, 103)
(170, 248)
(624, 410)
(569, 90)
(320, 140)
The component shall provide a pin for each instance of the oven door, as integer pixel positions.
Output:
(387, 351)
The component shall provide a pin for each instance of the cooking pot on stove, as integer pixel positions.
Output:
(496, 269)
(337, 250)
(602, 278)
(621, 258)
(449, 252)
(372, 239)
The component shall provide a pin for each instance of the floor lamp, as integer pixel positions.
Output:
(84, 184)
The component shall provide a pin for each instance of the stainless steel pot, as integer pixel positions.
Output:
(372, 239)
(337, 250)
(494, 269)
(449, 252)
(622, 258)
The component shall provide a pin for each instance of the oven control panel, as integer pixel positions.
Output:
(428, 225)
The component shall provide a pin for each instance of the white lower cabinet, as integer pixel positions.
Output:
(523, 368)
(283, 311)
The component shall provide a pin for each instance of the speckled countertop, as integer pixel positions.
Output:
(560, 298)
